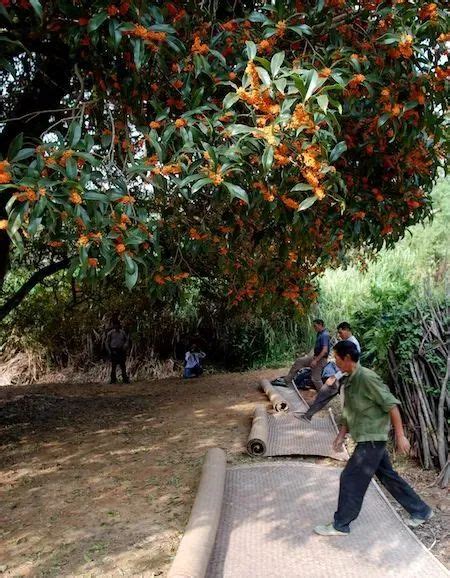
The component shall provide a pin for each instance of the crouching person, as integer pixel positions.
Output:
(193, 362)
(369, 407)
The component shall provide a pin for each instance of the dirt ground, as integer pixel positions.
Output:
(99, 480)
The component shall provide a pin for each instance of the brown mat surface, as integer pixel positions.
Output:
(282, 434)
(266, 530)
(295, 402)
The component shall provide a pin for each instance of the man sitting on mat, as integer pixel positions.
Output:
(332, 377)
(369, 409)
(316, 359)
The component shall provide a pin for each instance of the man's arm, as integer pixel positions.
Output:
(339, 440)
(323, 353)
(401, 441)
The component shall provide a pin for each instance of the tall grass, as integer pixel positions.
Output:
(419, 260)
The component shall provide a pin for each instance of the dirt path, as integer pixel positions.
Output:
(98, 480)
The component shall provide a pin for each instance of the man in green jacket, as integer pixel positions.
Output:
(369, 409)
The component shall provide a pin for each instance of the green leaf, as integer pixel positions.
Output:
(74, 133)
(15, 146)
(302, 30)
(276, 62)
(337, 151)
(264, 76)
(383, 119)
(230, 99)
(200, 184)
(115, 32)
(263, 61)
(219, 56)
(281, 83)
(308, 202)
(322, 101)
(131, 278)
(71, 168)
(95, 196)
(301, 187)
(138, 52)
(313, 83)
(251, 49)
(235, 129)
(267, 159)
(37, 7)
(23, 154)
(258, 17)
(236, 191)
(96, 21)
(300, 85)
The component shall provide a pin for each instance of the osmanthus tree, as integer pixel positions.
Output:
(253, 145)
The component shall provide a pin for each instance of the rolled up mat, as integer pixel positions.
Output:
(197, 543)
(257, 440)
(278, 402)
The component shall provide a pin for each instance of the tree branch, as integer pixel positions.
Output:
(34, 280)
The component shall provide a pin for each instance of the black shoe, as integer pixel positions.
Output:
(303, 417)
(279, 382)
(113, 381)
(126, 380)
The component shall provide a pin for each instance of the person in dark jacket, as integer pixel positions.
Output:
(117, 346)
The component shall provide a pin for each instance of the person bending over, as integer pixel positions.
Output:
(193, 362)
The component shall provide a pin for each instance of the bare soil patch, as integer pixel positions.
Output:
(99, 480)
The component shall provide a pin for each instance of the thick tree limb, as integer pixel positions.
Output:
(34, 280)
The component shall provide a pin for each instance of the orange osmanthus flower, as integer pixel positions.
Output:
(75, 197)
(199, 48)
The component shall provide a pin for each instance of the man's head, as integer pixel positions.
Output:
(319, 325)
(116, 324)
(344, 330)
(346, 355)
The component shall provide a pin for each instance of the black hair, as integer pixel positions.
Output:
(345, 325)
(343, 348)
(319, 321)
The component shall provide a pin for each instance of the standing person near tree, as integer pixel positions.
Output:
(316, 359)
(117, 346)
(369, 407)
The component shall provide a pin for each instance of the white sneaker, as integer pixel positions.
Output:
(416, 522)
(329, 530)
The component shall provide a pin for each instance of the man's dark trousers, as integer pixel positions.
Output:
(118, 357)
(324, 396)
(369, 459)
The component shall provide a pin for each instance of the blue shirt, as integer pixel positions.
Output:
(322, 340)
(193, 359)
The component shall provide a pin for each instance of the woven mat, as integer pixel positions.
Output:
(291, 436)
(296, 403)
(266, 530)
